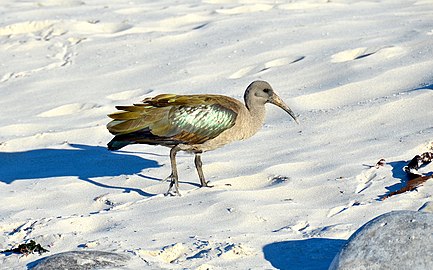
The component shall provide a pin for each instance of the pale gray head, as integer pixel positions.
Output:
(259, 93)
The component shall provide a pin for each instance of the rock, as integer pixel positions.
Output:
(395, 240)
(80, 260)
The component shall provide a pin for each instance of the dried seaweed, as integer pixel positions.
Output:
(26, 249)
(380, 163)
(416, 178)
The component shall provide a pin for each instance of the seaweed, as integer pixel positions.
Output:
(415, 178)
(27, 248)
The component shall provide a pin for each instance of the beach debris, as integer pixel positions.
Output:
(27, 248)
(278, 179)
(416, 178)
(380, 163)
(416, 163)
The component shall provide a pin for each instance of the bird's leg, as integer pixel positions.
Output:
(174, 177)
(198, 166)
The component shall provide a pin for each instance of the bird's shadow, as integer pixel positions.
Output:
(83, 161)
(313, 253)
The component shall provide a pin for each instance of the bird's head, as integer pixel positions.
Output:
(261, 92)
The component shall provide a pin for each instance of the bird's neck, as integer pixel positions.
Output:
(257, 114)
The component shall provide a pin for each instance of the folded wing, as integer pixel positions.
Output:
(172, 119)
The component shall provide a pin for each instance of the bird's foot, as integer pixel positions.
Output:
(206, 184)
(172, 193)
(173, 189)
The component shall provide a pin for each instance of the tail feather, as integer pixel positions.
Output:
(115, 144)
(143, 136)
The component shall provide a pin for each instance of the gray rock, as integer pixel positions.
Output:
(395, 240)
(80, 260)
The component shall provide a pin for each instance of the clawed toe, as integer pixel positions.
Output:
(172, 193)
(206, 184)
(173, 184)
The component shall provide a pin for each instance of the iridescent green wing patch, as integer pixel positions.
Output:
(202, 122)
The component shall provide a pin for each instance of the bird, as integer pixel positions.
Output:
(192, 123)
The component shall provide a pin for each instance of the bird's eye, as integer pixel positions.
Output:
(266, 90)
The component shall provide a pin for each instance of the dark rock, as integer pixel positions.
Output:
(80, 260)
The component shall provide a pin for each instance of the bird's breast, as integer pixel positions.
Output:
(244, 127)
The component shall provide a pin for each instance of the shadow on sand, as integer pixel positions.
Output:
(307, 254)
(407, 182)
(83, 161)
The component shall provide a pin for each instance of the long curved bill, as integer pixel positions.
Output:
(276, 100)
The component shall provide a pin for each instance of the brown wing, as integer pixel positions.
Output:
(172, 119)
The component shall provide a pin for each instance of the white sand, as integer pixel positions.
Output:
(359, 74)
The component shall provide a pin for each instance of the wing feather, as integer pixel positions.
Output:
(172, 119)
(125, 115)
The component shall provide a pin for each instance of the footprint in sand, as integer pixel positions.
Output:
(68, 109)
(40, 55)
(256, 69)
(60, 27)
(49, 44)
(363, 52)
